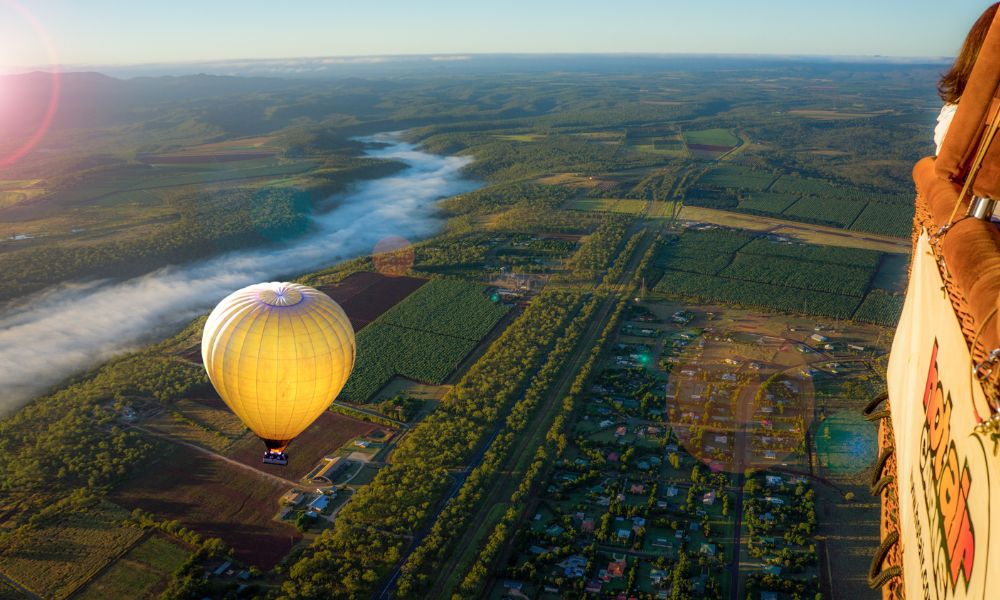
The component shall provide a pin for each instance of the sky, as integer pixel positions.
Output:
(120, 32)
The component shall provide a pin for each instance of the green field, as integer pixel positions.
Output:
(886, 219)
(880, 308)
(623, 205)
(846, 443)
(772, 203)
(423, 337)
(629, 206)
(825, 210)
(712, 137)
(736, 268)
(139, 573)
(735, 177)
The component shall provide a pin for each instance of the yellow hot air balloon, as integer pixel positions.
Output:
(278, 354)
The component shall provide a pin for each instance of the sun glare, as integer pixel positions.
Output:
(8, 94)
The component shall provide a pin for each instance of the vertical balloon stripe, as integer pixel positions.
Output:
(278, 354)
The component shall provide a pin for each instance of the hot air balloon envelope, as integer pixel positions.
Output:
(278, 354)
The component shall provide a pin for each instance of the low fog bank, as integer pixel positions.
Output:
(47, 338)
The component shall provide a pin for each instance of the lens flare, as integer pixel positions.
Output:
(393, 256)
(54, 87)
(732, 399)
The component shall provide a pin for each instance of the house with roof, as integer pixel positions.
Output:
(574, 566)
(319, 504)
(615, 570)
(328, 472)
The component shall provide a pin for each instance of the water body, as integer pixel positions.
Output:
(73, 327)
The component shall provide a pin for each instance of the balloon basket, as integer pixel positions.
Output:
(275, 458)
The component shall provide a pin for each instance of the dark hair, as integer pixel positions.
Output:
(952, 83)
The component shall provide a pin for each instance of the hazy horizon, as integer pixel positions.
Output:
(57, 32)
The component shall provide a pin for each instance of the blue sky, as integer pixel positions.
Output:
(115, 32)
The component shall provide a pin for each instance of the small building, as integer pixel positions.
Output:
(319, 504)
(708, 549)
(328, 472)
(616, 569)
(658, 576)
(819, 338)
(709, 498)
(293, 498)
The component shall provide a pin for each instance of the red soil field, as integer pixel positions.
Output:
(710, 147)
(215, 499)
(329, 432)
(366, 295)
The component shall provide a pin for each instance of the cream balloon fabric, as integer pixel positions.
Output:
(278, 354)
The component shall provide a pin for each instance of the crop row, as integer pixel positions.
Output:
(448, 307)
(64, 553)
(886, 219)
(825, 210)
(881, 308)
(853, 257)
(767, 202)
(789, 272)
(709, 288)
(386, 350)
(738, 177)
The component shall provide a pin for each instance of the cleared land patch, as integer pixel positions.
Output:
(214, 498)
(65, 551)
(141, 573)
